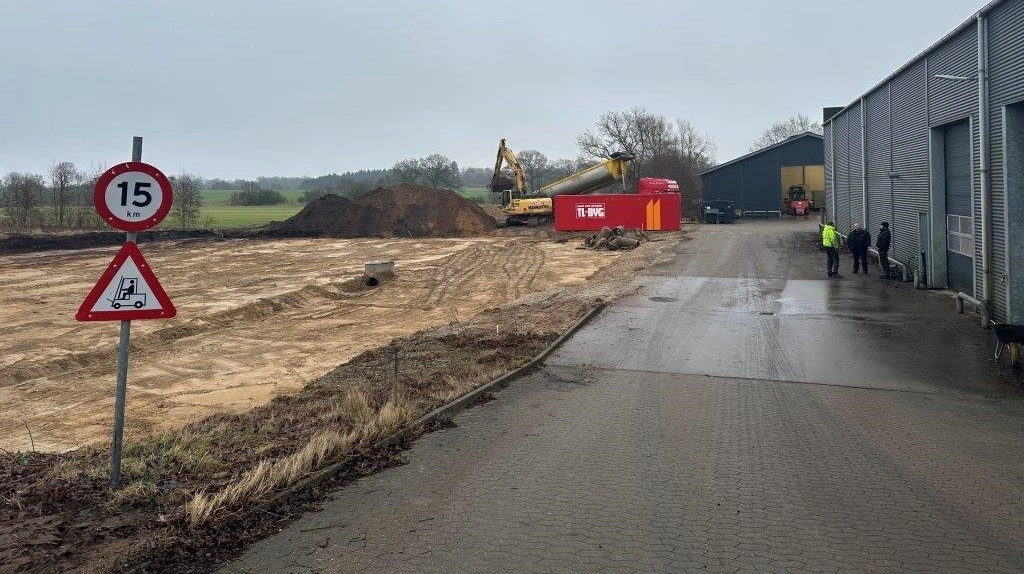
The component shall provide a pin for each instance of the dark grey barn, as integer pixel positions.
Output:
(755, 181)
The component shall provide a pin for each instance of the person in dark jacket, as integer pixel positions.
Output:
(882, 243)
(859, 240)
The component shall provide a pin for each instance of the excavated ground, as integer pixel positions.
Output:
(255, 318)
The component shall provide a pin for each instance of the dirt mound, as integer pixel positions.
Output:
(400, 211)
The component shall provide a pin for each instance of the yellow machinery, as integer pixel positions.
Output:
(536, 208)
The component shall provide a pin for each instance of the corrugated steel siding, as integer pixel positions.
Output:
(830, 191)
(856, 173)
(951, 100)
(842, 167)
(909, 160)
(876, 106)
(1006, 86)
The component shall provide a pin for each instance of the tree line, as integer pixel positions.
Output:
(661, 147)
(63, 199)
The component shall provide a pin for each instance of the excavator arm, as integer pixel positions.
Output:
(500, 183)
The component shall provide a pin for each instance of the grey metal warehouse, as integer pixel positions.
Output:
(937, 150)
(755, 182)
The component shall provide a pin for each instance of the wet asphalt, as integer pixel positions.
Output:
(740, 412)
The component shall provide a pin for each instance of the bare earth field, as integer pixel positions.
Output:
(255, 319)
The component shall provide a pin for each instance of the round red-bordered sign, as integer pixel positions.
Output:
(133, 196)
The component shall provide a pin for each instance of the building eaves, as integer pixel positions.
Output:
(788, 140)
(966, 24)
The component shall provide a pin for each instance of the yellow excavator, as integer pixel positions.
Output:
(533, 209)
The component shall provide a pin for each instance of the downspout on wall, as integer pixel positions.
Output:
(984, 172)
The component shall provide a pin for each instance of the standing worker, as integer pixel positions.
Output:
(859, 241)
(883, 243)
(830, 242)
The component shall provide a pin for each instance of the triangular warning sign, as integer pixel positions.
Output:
(128, 289)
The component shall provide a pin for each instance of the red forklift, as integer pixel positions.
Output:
(797, 202)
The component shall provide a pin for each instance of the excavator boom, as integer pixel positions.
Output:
(500, 183)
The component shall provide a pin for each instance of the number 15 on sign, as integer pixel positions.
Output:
(133, 196)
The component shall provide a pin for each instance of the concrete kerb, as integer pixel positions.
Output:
(447, 410)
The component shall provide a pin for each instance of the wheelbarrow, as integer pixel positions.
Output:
(1009, 337)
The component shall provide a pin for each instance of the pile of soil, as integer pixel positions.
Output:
(401, 211)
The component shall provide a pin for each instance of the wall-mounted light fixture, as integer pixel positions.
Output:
(955, 78)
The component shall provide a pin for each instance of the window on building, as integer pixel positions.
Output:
(960, 234)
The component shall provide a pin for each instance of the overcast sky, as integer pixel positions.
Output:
(243, 88)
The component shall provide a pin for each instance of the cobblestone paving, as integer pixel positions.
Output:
(657, 473)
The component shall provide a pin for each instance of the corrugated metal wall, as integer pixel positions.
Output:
(879, 153)
(901, 116)
(911, 185)
(1006, 86)
(856, 166)
(842, 175)
(829, 186)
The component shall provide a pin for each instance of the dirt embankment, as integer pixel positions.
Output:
(27, 243)
(401, 211)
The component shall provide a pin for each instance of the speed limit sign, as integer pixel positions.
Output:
(133, 196)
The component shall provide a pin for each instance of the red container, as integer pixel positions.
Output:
(649, 185)
(657, 212)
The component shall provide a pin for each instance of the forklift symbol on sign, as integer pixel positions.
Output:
(127, 294)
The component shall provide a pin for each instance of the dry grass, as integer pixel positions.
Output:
(322, 449)
(267, 476)
(367, 427)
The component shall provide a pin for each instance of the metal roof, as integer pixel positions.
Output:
(790, 139)
(967, 23)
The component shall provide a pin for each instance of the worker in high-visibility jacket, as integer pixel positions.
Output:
(830, 242)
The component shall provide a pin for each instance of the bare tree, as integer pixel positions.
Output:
(564, 167)
(64, 177)
(781, 131)
(697, 148)
(535, 166)
(20, 197)
(82, 213)
(635, 131)
(406, 171)
(441, 172)
(188, 199)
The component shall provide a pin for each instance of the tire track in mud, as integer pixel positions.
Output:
(530, 263)
(456, 270)
(768, 344)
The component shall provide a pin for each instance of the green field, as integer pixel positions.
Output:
(479, 194)
(244, 215)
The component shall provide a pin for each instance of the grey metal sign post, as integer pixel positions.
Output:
(131, 196)
(122, 364)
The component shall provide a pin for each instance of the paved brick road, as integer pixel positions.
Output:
(728, 425)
